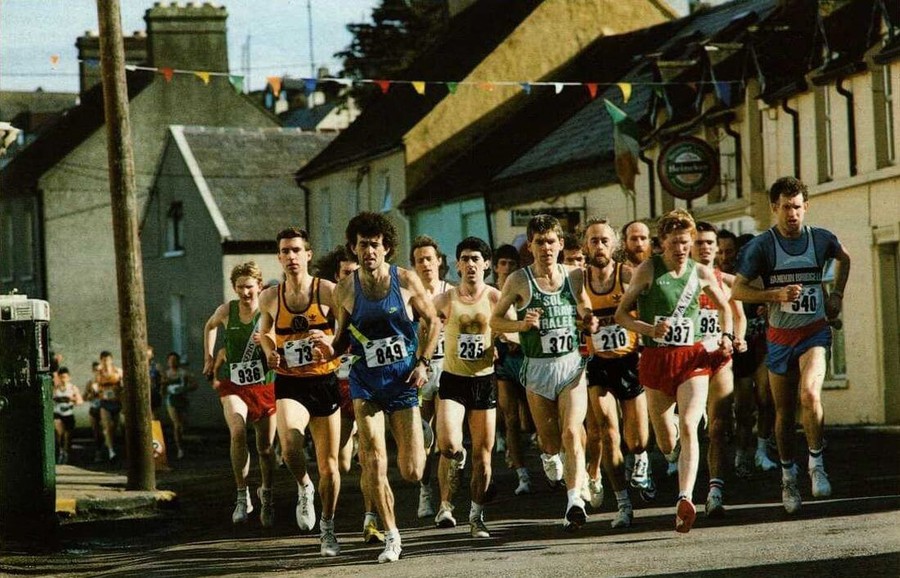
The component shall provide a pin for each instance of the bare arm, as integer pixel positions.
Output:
(268, 301)
(342, 296)
(210, 330)
(424, 306)
(737, 313)
(510, 296)
(744, 290)
(835, 301)
(709, 286)
(641, 279)
(585, 312)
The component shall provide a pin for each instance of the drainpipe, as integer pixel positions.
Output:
(738, 169)
(306, 195)
(795, 118)
(651, 180)
(851, 124)
(489, 220)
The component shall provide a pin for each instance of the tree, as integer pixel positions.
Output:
(399, 32)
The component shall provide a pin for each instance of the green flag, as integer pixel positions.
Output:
(626, 145)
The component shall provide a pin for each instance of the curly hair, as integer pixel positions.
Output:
(369, 225)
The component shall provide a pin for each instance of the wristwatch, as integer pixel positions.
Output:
(424, 361)
(728, 335)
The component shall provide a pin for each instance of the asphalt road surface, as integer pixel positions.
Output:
(856, 532)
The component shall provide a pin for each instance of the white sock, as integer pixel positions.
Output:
(392, 536)
(370, 517)
(761, 444)
(475, 511)
(816, 459)
(326, 524)
(574, 498)
(522, 472)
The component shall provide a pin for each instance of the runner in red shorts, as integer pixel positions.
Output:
(674, 366)
(246, 395)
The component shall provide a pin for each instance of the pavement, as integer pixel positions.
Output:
(86, 495)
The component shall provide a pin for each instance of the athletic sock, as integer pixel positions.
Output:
(762, 444)
(574, 497)
(370, 517)
(326, 524)
(522, 472)
(475, 511)
(392, 536)
(716, 486)
(622, 499)
(788, 473)
(816, 460)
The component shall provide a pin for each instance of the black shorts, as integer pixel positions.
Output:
(618, 376)
(68, 421)
(478, 392)
(320, 394)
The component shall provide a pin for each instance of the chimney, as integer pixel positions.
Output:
(89, 56)
(189, 37)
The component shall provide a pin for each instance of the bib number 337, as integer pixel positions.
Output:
(680, 333)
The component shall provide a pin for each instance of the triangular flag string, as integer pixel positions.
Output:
(204, 76)
(419, 86)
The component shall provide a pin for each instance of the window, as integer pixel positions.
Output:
(6, 247)
(179, 326)
(883, 109)
(824, 134)
(729, 148)
(175, 230)
(837, 357)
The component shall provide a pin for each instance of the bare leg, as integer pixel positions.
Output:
(691, 397)
(326, 432)
(235, 411)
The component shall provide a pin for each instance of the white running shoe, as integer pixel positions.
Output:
(242, 507)
(330, 546)
(524, 486)
(575, 516)
(763, 462)
(444, 518)
(596, 490)
(267, 507)
(553, 468)
(821, 487)
(790, 496)
(640, 475)
(623, 518)
(715, 507)
(306, 509)
(371, 533)
(426, 510)
(391, 552)
(478, 529)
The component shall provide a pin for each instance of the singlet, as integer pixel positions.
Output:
(64, 400)
(708, 316)
(439, 348)
(612, 340)
(245, 360)
(802, 269)
(175, 383)
(109, 390)
(383, 337)
(661, 299)
(292, 335)
(558, 334)
(470, 345)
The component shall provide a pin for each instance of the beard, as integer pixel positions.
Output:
(600, 261)
(637, 256)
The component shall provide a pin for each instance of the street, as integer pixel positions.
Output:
(855, 532)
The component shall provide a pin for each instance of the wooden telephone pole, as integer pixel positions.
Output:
(129, 270)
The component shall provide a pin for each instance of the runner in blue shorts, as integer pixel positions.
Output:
(790, 259)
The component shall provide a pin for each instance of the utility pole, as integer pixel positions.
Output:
(129, 271)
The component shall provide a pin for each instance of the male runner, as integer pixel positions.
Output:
(374, 309)
(637, 247)
(467, 383)
(790, 258)
(719, 402)
(550, 299)
(428, 262)
(294, 320)
(612, 372)
(245, 394)
(674, 365)
(572, 253)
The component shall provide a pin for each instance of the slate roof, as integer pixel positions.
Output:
(249, 173)
(14, 102)
(472, 35)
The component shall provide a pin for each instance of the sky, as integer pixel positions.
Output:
(34, 31)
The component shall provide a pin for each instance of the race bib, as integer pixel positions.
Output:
(247, 372)
(709, 322)
(298, 352)
(64, 408)
(109, 393)
(681, 331)
(471, 346)
(806, 304)
(343, 371)
(439, 350)
(610, 338)
(558, 341)
(385, 351)
(175, 388)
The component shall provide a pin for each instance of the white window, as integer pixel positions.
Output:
(179, 326)
(175, 230)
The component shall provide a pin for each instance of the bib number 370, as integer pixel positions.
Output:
(556, 341)
(385, 351)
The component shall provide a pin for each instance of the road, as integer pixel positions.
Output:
(856, 532)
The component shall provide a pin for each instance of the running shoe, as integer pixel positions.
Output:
(524, 486)
(444, 518)
(623, 517)
(306, 509)
(391, 552)
(685, 514)
(455, 472)
(821, 487)
(426, 510)
(330, 546)
(640, 475)
(596, 493)
(553, 468)
(267, 507)
(790, 496)
(715, 507)
(371, 533)
(242, 507)
(763, 462)
(575, 517)
(648, 491)
(478, 529)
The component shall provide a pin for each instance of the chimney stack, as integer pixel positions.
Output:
(188, 37)
(89, 56)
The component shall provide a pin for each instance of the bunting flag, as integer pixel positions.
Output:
(237, 82)
(451, 87)
(384, 85)
(592, 89)
(626, 144)
(275, 83)
(486, 86)
(54, 60)
(625, 87)
(419, 86)
(309, 85)
(558, 87)
(167, 73)
(526, 87)
(204, 76)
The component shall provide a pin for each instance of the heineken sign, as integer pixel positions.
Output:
(688, 168)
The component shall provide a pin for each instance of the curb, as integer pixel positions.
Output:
(111, 504)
